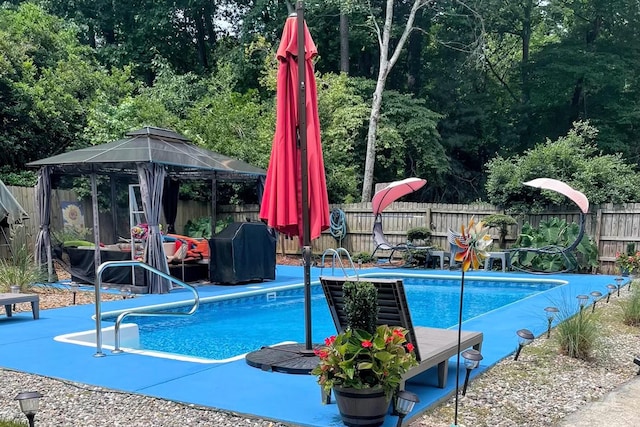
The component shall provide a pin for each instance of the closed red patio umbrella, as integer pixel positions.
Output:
(295, 198)
(282, 204)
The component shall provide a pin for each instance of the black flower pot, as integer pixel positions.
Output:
(362, 407)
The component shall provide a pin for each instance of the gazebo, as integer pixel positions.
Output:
(154, 156)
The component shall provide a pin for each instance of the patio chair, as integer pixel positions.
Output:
(433, 346)
(520, 256)
(383, 244)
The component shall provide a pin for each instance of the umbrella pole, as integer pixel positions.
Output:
(304, 173)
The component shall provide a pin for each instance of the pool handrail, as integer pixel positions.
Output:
(98, 286)
(336, 254)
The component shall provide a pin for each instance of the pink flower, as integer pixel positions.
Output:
(398, 333)
(330, 340)
(322, 354)
(366, 343)
(410, 347)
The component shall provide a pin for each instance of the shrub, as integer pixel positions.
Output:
(364, 257)
(21, 271)
(419, 233)
(416, 257)
(575, 159)
(201, 227)
(558, 234)
(502, 223)
(361, 305)
(631, 309)
(577, 334)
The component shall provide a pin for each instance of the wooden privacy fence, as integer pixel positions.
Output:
(611, 227)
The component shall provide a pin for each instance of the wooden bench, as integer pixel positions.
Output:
(434, 346)
(9, 299)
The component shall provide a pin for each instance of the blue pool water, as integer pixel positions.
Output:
(228, 328)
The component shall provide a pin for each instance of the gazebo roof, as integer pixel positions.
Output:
(150, 145)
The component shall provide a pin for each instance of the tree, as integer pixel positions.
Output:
(574, 159)
(385, 65)
(342, 112)
(47, 84)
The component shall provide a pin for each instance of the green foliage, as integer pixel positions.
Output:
(408, 140)
(7, 423)
(20, 271)
(553, 233)
(628, 263)
(502, 223)
(416, 257)
(631, 308)
(231, 123)
(359, 359)
(48, 81)
(72, 234)
(544, 66)
(364, 257)
(18, 178)
(419, 236)
(361, 305)
(201, 227)
(573, 159)
(343, 114)
(423, 234)
(577, 333)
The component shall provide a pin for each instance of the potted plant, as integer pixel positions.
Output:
(628, 263)
(363, 367)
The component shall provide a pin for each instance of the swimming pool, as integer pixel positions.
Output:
(223, 329)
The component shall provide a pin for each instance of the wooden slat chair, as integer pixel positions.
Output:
(433, 346)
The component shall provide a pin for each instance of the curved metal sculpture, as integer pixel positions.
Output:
(566, 252)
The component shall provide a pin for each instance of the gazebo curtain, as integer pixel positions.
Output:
(170, 203)
(43, 202)
(152, 176)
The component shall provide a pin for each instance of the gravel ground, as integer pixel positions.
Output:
(540, 389)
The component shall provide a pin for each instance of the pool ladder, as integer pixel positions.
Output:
(335, 257)
(138, 312)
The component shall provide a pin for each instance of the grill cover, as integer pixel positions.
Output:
(242, 252)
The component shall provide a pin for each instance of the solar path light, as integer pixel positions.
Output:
(29, 402)
(582, 300)
(596, 296)
(619, 280)
(551, 314)
(610, 287)
(74, 290)
(472, 359)
(526, 337)
(405, 401)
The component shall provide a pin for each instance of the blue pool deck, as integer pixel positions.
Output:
(28, 345)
